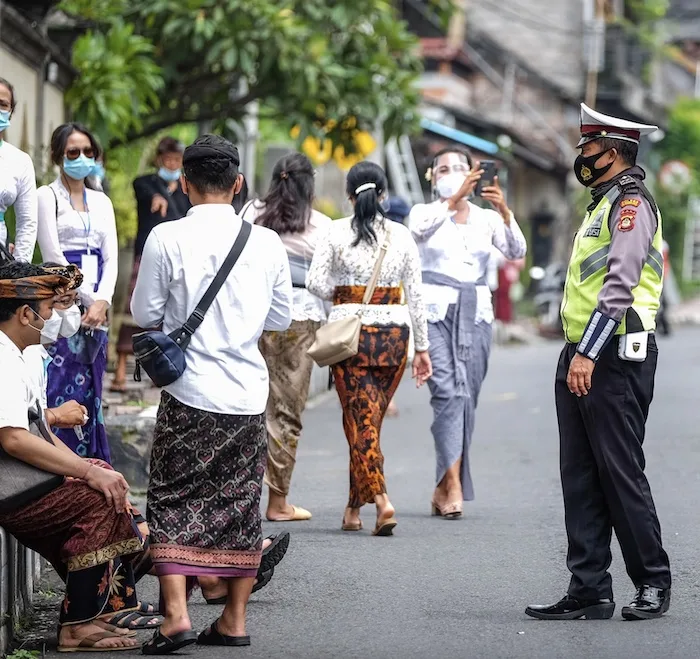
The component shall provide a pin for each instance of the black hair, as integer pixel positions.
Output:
(241, 198)
(213, 170)
(288, 202)
(625, 149)
(17, 270)
(367, 205)
(168, 145)
(13, 102)
(60, 136)
(460, 151)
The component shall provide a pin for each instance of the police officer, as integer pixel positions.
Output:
(605, 380)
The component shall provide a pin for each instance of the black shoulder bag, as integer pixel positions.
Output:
(162, 355)
(22, 483)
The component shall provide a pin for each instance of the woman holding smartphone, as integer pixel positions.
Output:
(77, 225)
(455, 239)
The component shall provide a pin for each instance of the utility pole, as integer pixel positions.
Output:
(596, 50)
(457, 29)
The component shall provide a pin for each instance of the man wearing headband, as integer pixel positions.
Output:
(210, 439)
(83, 525)
(605, 380)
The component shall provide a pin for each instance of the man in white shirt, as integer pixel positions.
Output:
(209, 443)
(84, 514)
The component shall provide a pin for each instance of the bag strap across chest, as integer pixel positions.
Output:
(183, 335)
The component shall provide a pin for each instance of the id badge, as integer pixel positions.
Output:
(89, 268)
(633, 347)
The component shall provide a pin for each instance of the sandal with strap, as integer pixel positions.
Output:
(134, 620)
(448, 511)
(213, 636)
(162, 644)
(89, 642)
(148, 609)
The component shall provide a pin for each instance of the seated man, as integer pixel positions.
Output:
(84, 526)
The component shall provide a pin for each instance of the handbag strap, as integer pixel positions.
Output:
(374, 279)
(182, 336)
(36, 417)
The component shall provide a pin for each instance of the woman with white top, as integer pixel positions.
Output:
(77, 225)
(340, 271)
(17, 183)
(287, 210)
(455, 239)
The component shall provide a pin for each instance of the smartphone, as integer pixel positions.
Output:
(487, 178)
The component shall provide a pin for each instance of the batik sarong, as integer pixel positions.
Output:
(366, 383)
(290, 374)
(204, 491)
(93, 548)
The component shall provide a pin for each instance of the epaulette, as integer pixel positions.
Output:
(628, 184)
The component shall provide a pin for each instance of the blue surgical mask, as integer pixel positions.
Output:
(169, 175)
(98, 171)
(79, 168)
(385, 205)
(4, 120)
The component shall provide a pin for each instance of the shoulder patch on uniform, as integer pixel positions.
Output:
(630, 202)
(626, 223)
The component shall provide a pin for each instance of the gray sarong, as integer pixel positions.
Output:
(459, 351)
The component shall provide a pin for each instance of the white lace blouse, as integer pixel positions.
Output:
(337, 262)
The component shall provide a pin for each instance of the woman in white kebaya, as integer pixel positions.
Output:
(455, 239)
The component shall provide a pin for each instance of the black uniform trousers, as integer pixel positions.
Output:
(602, 474)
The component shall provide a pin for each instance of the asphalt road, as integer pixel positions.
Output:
(458, 588)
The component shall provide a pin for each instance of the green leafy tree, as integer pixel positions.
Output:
(118, 83)
(682, 142)
(310, 63)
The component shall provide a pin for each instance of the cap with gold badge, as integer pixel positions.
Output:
(596, 125)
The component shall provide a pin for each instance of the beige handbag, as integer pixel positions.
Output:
(340, 339)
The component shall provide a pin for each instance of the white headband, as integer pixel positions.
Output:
(366, 186)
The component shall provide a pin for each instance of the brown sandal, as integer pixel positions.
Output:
(385, 527)
(89, 642)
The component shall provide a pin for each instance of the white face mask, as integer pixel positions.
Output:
(70, 321)
(50, 329)
(449, 185)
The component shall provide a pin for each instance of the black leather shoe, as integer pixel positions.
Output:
(648, 603)
(571, 608)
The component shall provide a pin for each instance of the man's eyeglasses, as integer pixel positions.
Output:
(74, 153)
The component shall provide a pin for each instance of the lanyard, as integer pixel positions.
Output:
(87, 226)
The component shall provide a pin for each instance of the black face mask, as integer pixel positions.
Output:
(586, 173)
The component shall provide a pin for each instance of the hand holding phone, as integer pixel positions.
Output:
(488, 177)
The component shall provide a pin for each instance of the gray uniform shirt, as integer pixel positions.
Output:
(633, 228)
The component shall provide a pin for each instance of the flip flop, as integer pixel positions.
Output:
(385, 528)
(162, 644)
(273, 554)
(298, 515)
(261, 581)
(213, 636)
(88, 644)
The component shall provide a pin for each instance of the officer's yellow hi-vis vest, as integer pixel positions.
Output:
(588, 266)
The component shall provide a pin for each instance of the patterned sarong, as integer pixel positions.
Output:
(204, 491)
